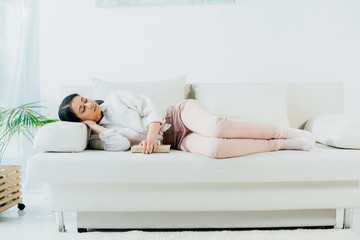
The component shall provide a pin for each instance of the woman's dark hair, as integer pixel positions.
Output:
(99, 101)
(66, 113)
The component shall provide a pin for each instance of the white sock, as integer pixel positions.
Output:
(301, 143)
(297, 133)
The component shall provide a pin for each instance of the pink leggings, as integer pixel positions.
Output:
(219, 137)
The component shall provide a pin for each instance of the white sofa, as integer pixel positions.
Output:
(183, 190)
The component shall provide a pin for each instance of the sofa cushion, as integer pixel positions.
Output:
(336, 130)
(308, 99)
(62, 137)
(322, 163)
(162, 92)
(262, 103)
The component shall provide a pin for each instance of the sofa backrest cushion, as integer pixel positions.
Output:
(256, 102)
(306, 100)
(162, 92)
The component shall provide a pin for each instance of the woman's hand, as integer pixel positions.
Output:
(94, 126)
(90, 123)
(148, 146)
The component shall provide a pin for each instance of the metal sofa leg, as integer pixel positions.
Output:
(340, 213)
(60, 221)
(348, 218)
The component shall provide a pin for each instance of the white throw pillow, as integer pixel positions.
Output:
(162, 92)
(62, 137)
(336, 130)
(255, 102)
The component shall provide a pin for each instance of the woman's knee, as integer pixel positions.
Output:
(216, 148)
(211, 147)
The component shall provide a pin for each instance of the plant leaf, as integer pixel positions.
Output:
(20, 120)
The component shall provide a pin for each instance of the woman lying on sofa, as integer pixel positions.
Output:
(125, 119)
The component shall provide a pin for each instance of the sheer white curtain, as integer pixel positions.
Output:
(19, 67)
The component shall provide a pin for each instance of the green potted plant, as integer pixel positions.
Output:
(19, 120)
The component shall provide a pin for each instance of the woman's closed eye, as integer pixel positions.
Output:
(84, 106)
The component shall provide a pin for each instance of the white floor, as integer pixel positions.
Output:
(36, 220)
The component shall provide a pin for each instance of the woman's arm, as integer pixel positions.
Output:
(140, 103)
(108, 139)
(150, 144)
(144, 106)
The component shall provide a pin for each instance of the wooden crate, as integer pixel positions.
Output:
(10, 187)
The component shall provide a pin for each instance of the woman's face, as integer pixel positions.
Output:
(86, 109)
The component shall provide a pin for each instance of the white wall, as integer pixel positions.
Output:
(250, 41)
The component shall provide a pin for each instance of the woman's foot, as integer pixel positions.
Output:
(292, 133)
(301, 143)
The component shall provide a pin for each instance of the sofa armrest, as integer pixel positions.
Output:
(336, 130)
(62, 137)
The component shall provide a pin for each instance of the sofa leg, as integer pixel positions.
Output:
(60, 221)
(340, 213)
(348, 218)
(82, 230)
